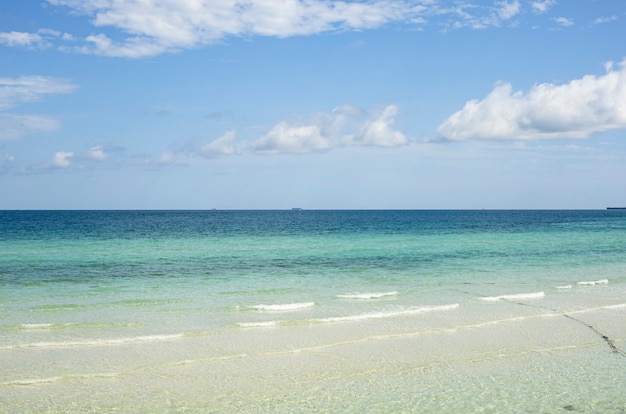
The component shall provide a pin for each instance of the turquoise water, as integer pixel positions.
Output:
(312, 311)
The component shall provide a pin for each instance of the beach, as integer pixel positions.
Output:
(247, 312)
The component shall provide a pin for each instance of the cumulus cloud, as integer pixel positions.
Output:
(61, 159)
(343, 126)
(379, 131)
(284, 137)
(576, 109)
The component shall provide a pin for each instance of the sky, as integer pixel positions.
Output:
(317, 104)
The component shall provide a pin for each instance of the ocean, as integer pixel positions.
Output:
(313, 311)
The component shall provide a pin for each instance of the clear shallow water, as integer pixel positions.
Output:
(312, 311)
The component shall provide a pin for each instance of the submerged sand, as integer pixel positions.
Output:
(534, 353)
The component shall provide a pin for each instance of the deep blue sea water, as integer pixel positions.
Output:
(89, 299)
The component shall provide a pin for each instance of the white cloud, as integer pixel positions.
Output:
(576, 109)
(378, 131)
(507, 10)
(156, 26)
(223, 145)
(542, 6)
(20, 39)
(23, 89)
(151, 27)
(72, 159)
(284, 137)
(343, 126)
(563, 21)
(42, 39)
(16, 126)
(607, 19)
(15, 91)
(480, 17)
(97, 153)
(61, 159)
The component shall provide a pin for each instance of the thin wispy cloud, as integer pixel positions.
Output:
(97, 153)
(542, 6)
(26, 89)
(14, 91)
(573, 110)
(42, 39)
(15, 126)
(563, 21)
(606, 19)
(20, 39)
(6, 163)
(140, 28)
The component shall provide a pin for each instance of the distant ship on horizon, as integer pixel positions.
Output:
(616, 208)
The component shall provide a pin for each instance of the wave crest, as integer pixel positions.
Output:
(371, 295)
(517, 296)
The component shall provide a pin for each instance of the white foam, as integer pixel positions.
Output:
(36, 325)
(517, 296)
(98, 342)
(257, 324)
(34, 381)
(372, 295)
(283, 307)
(563, 287)
(387, 314)
(594, 282)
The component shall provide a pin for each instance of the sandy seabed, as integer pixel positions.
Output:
(524, 356)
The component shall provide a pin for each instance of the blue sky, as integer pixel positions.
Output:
(405, 104)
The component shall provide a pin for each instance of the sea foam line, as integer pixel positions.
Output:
(353, 318)
(98, 342)
(267, 324)
(283, 307)
(594, 282)
(35, 381)
(372, 295)
(388, 314)
(518, 296)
